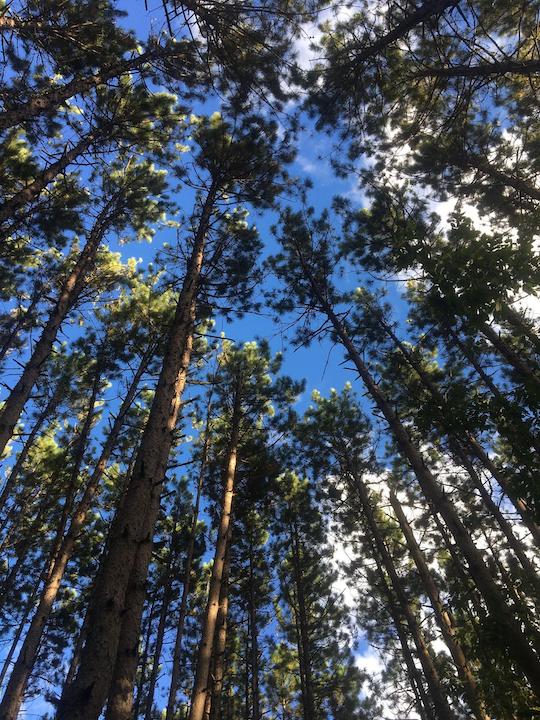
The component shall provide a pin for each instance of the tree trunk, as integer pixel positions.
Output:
(443, 711)
(186, 585)
(522, 368)
(441, 615)
(422, 702)
(71, 289)
(308, 701)
(44, 103)
(511, 632)
(220, 639)
(144, 660)
(478, 451)
(10, 207)
(16, 687)
(134, 523)
(48, 411)
(162, 623)
(200, 684)
(255, 696)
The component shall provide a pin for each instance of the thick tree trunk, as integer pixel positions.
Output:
(186, 585)
(69, 294)
(134, 523)
(14, 693)
(510, 629)
(442, 616)
(200, 685)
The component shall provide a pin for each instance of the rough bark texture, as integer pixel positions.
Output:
(220, 641)
(134, 523)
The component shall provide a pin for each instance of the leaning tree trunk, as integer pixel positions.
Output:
(443, 711)
(69, 293)
(134, 523)
(441, 614)
(511, 632)
(15, 689)
(200, 685)
(47, 412)
(422, 702)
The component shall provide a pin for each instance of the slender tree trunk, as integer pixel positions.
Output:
(46, 414)
(443, 711)
(134, 523)
(441, 615)
(308, 700)
(514, 543)
(186, 585)
(144, 660)
(69, 294)
(522, 367)
(9, 336)
(220, 639)
(44, 103)
(162, 624)
(511, 632)
(14, 693)
(200, 684)
(10, 207)
(478, 451)
(18, 634)
(515, 414)
(255, 696)
(483, 70)
(426, 11)
(422, 702)
(519, 323)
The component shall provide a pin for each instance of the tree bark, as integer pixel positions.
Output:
(134, 523)
(442, 616)
(200, 684)
(255, 695)
(520, 366)
(10, 207)
(70, 291)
